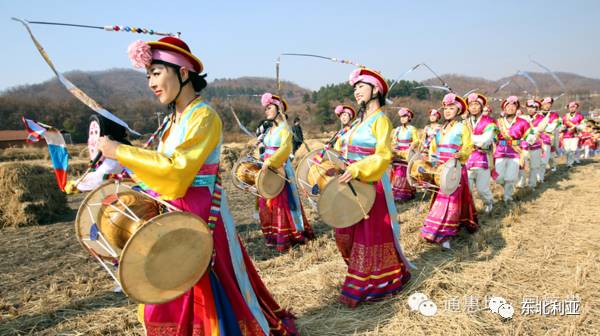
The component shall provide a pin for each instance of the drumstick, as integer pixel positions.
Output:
(277, 173)
(365, 215)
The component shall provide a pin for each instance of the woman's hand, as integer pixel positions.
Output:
(264, 166)
(108, 147)
(345, 177)
(456, 155)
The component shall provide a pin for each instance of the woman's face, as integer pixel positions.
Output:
(546, 106)
(163, 82)
(474, 108)
(531, 110)
(404, 120)
(510, 109)
(450, 111)
(433, 118)
(362, 92)
(573, 108)
(345, 118)
(271, 111)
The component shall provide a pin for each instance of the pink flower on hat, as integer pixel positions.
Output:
(472, 97)
(512, 100)
(354, 77)
(450, 98)
(403, 112)
(339, 109)
(266, 99)
(140, 54)
(573, 104)
(547, 100)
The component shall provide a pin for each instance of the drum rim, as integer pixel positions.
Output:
(237, 182)
(81, 210)
(304, 160)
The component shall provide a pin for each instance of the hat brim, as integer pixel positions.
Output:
(377, 75)
(198, 66)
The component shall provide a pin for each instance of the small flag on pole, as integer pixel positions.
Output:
(56, 147)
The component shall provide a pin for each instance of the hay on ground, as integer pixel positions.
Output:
(29, 195)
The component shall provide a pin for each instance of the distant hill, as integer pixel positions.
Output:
(575, 84)
(125, 93)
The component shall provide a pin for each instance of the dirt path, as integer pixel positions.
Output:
(545, 246)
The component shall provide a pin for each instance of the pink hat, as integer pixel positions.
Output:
(481, 99)
(168, 49)
(345, 108)
(534, 103)
(548, 100)
(269, 98)
(406, 112)
(369, 76)
(511, 100)
(434, 112)
(452, 99)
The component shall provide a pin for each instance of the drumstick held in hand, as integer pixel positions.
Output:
(365, 215)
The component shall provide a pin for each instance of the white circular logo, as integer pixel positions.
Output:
(415, 300)
(428, 308)
(495, 303)
(506, 311)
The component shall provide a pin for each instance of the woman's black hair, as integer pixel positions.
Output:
(198, 81)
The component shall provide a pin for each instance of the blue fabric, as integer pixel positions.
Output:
(393, 212)
(228, 324)
(296, 210)
(362, 135)
(59, 157)
(239, 266)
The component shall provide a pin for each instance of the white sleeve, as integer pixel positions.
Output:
(484, 140)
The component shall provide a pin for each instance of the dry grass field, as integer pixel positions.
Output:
(544, 246)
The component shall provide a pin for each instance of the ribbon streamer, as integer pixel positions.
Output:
(115, 28)
(531, 80)
(74, 90)
(562, 85)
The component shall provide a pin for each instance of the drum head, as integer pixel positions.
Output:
(84, 222)
(338, 207)
(450, 173)
(269, 184)
(165, 257)
(304, 165)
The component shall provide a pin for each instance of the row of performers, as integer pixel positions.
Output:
(533, 139)
(231, 298)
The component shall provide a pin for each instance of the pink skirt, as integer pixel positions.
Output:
(402, 190)
(215, 303)
(277, 223)
(375, 269)
(449, 212)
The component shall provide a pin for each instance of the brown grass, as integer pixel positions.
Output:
(29, 195)
(546, 244)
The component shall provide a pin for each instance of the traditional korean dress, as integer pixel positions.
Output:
(230, 298)
(448, 213)
(377, 267)
(402, 139)
(282, 218)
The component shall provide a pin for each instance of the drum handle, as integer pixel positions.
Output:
(111, 273)
(365, 215)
